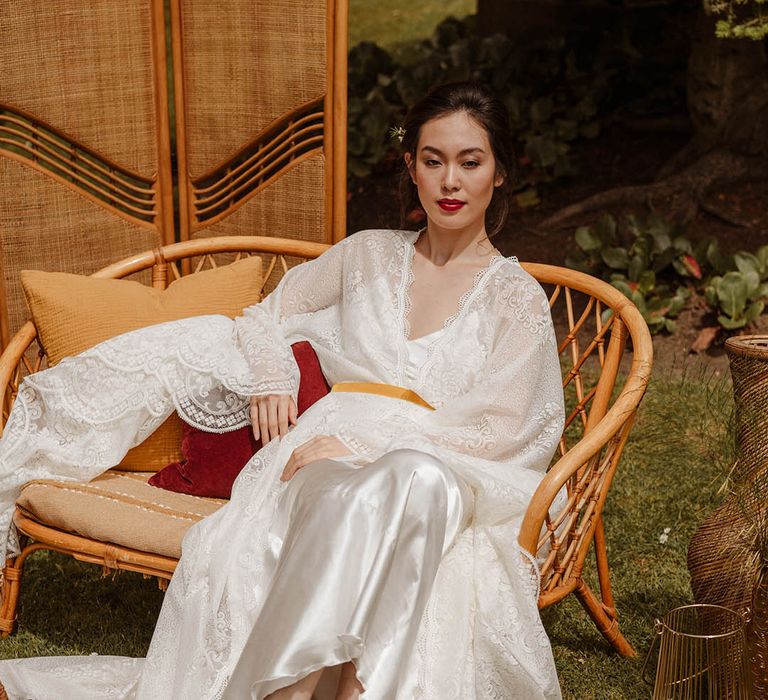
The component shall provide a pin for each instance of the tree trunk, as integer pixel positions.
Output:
(727, 96)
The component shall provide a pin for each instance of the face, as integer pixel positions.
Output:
(454, 172)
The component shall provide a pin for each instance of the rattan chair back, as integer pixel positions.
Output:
(593, 321)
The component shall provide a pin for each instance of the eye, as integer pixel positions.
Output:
(431, 163)
(470, 164)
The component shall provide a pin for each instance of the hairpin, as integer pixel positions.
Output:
(397, 132)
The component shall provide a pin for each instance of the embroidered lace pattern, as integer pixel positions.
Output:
(493, 376)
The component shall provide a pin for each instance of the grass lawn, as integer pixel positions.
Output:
(396, 21)
(670, 473)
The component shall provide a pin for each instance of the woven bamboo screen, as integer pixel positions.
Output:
(261, 138)
(84, 157)
(86, 146)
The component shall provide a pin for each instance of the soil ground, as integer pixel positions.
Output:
(620, 156)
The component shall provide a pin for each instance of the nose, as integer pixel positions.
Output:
(450, 178)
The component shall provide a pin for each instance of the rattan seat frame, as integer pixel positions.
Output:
(592, 343)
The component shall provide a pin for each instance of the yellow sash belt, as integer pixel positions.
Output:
(390, 390)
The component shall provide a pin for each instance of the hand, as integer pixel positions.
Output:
(271, 416)
(319, 447)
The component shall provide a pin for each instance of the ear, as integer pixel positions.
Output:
(499, 179)
(411, 166)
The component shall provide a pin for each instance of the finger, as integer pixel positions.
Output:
(293, 412)
(272, 418)
(300, 458)
(294, 464)
(253, 412)
(263, 427)
(289, 467)
(282, 416)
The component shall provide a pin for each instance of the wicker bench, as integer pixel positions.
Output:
(593, 321)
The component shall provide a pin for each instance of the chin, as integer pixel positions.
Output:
(453, 221)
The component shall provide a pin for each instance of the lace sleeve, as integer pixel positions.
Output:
(259, 331)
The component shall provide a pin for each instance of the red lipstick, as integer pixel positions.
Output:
(450, 204)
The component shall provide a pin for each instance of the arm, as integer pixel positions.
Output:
(305, 289)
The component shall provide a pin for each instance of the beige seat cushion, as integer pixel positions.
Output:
(73, 313)
(117, 507)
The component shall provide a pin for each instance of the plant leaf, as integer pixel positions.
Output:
(754, 310)
(732, 294)
(587, 239)
(746, 262)
(615, 258)
(731, 323)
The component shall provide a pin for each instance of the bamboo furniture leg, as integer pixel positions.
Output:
(602, 610)
(12, 587)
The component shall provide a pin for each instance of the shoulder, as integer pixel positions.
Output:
(377, 243)
(518, 296)
(376, 237)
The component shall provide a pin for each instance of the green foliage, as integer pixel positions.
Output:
(552, 102)
(738, 287)
(737, 296)
(658, 268)
(739, 19)
(657, 249)
(658, 303)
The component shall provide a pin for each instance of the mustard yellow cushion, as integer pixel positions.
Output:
(73, 313)
(117, 507)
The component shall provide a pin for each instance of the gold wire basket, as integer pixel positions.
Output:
(702, 655)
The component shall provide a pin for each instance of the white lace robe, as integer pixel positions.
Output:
(493, 377)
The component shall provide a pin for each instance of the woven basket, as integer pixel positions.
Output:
(724, 558)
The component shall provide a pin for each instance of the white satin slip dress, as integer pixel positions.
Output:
(357, 558)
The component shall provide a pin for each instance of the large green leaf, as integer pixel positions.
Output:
(762, 256)
(710, 292)
(615, 258)
(731, 323)
(637, 266)
(732, 294)
(605, 227)
(752, 280)
(587, 239)
(746, 262)
(647, 281)
(754, 310)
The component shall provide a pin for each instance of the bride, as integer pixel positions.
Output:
(370, 548)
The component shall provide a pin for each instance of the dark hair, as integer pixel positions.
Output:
(488, 111)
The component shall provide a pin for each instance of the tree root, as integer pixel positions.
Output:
(684, 193)
(725, 217)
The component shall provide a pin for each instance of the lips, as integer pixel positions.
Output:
(450, 204)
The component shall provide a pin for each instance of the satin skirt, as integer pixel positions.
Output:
(354, 572)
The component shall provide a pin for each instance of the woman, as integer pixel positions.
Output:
(371, 549)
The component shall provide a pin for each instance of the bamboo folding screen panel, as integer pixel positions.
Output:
(107, 107)
(84, 142)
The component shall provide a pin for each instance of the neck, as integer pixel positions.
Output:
(441, 246)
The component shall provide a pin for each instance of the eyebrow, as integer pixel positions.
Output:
(462, 152)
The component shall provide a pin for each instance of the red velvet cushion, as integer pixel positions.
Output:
(212, 461)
